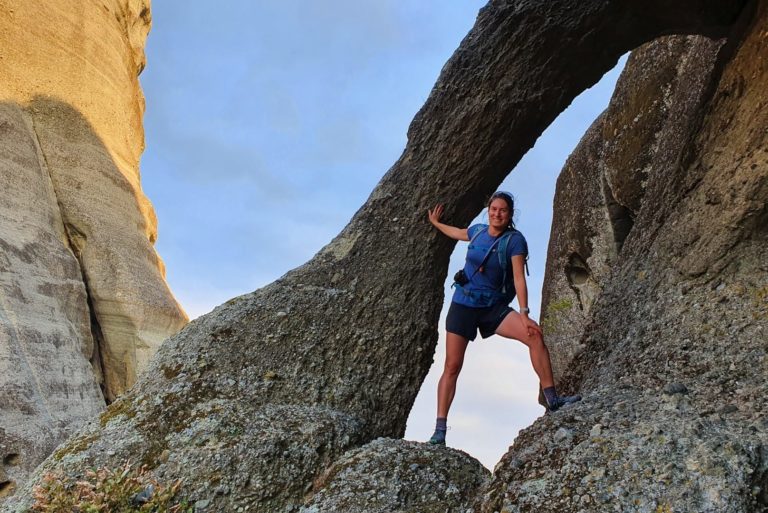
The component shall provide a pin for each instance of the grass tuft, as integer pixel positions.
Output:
(124, 490)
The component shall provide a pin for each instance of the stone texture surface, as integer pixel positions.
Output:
(674, 361)
(397, 476)
(331, 355)
(74, 67)
(80, 279)
(48, 385)
(581, 250)
(112, 239)
(632, 147)
(635, 451)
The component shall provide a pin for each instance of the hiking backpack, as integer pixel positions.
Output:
(507, 290)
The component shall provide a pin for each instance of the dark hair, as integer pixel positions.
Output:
(508, 199)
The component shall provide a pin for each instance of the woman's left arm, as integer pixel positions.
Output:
(521, 290)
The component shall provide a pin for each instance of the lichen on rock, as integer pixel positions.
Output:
(394, 475)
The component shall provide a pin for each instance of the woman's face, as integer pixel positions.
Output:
(498, 213)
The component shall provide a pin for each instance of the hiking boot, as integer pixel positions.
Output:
(438, 438)
(562, 400)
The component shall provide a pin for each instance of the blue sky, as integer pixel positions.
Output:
(267, 126)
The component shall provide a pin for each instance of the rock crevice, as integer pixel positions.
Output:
(76, 240)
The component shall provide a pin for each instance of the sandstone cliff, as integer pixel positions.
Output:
(83, 301)
(250, 403)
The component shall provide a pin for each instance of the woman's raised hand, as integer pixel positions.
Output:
(435, 214)
(448, 230)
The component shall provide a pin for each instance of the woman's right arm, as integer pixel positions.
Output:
(450, 231)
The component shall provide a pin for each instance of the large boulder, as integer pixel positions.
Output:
(83, 299)
(74, 70)
(394, 475)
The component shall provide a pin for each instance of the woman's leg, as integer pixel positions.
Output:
(455, 347)
(512, 327)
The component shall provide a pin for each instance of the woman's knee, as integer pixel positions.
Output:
(535, 342)
(452, 368)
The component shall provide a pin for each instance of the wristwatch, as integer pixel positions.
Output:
(525, 310)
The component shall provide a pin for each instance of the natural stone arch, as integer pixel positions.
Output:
(333, 353)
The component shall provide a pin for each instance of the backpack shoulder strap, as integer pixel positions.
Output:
(505, 261)
(484, 227)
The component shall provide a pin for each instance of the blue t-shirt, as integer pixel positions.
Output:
(484, 288)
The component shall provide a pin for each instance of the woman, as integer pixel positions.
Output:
(478, 302)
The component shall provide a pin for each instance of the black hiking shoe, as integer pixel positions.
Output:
(562, 400)
(438, 438)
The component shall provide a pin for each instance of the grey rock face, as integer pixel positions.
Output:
(632, 451)
(258, 397)
(217, 442)
(630, 149)
(674, 360)
(111, 235)
(393, 475)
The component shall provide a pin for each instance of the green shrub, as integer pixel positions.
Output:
(107, 491)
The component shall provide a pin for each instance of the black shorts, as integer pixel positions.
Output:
(464, 320)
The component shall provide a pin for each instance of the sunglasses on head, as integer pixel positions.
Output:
(502, 194)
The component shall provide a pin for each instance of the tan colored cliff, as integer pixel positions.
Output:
(80, 278)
